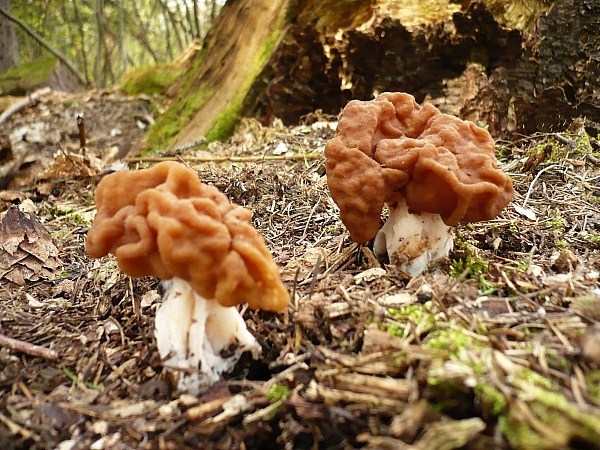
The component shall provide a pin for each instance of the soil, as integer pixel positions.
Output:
(494, 347)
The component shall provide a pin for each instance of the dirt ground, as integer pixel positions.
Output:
(497, 347)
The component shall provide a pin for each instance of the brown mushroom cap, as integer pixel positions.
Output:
(165, 222)
(392, 148)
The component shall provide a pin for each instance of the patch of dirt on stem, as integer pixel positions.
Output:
(494, 347)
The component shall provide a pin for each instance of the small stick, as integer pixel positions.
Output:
(16, 107)
(81, 126)
(226, 158)
(26, 347)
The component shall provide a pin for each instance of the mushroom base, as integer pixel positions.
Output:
(198, 339)
(412, 241)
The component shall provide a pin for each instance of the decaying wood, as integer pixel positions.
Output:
(491, 62)
(29, 100)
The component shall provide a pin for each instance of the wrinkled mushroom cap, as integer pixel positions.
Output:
(392, 148)
(165, 222)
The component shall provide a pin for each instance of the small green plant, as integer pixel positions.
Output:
(75, 379)
(474, 265)
(277, 393)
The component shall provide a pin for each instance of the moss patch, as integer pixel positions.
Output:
(153, 79)
(24, 77)
(227, 120)
(195, 93)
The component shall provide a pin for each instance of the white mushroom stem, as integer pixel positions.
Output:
(413, 240)
(199, 339)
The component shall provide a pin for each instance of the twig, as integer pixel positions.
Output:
(15, 428)
(81, 127)
(219, 159)
(530, 190)
(29, 100)
(26, 347)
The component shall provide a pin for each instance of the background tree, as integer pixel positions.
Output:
(9, 47)
(105, 38)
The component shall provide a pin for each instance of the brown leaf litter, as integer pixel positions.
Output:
(494, 347)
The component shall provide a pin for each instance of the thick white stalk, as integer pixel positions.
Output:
(198, 338)
(413, 240)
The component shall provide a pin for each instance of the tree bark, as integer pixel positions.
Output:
(9, 46)
(514, 70)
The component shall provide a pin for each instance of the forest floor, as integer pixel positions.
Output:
(496, 347)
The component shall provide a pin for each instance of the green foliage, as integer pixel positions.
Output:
(27, 76)
(592, 381)
(106, 39)
(153, 79)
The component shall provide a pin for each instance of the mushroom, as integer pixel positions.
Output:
(432, 170)
(165, 222)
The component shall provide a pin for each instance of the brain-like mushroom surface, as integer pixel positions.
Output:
(165, 222)
(391, 149)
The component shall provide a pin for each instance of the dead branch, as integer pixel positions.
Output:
(220, 159)
(26, 347)
(21, 104)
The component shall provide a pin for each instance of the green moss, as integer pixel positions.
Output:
(453, 341)
(563, 422)
(592, 381)
(225, 123)
(27, 76)
(278, 393)
(194, 93)
(491, 399)
(419, 314)
(154, 79)
(557, 223)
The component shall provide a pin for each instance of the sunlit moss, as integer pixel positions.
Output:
(278, 392)
(419, 314)
(562, 421)
(194, 93)
(491, 400)
(154, 79)
(20, 79)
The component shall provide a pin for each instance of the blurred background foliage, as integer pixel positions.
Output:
(106, 38)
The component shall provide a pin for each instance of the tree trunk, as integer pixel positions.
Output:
(9, 47)
(519, 66)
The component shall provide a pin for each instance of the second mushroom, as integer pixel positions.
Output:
(165, 222)
(432, 170)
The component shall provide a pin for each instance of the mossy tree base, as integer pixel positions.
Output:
(484, 61)
(40, 72)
